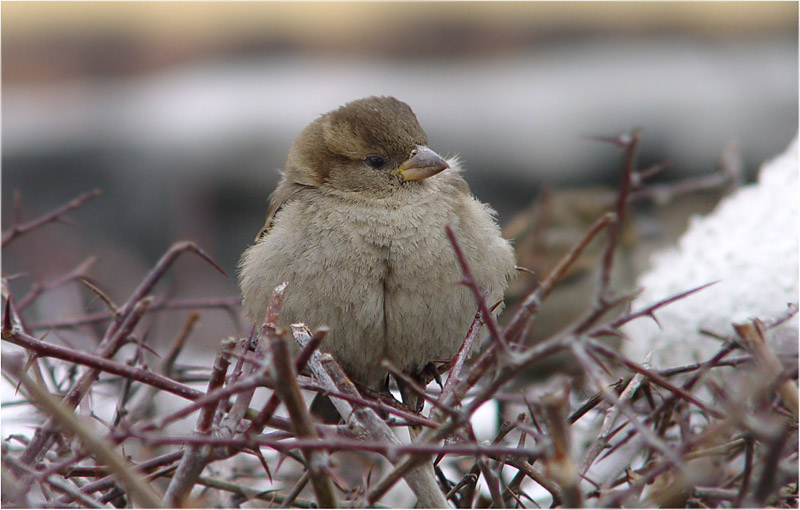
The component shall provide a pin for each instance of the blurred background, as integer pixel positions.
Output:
(183, 112)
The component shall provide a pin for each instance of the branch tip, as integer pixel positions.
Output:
(7, 326)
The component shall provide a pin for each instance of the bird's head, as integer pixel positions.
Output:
(371, 144)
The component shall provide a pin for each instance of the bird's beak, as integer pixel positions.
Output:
(421, 164)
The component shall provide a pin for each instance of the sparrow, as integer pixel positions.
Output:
(356, 228)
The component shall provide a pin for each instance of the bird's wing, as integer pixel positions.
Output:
(282, 194)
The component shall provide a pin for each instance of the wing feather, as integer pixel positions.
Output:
(285, 192)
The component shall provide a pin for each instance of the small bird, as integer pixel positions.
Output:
(356, 227)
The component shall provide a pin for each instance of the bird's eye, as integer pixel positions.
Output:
(375, 161)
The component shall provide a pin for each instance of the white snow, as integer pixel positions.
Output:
(750, 244)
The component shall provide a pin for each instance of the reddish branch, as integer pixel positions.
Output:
(101, 364)
(531, 303)
(477, 293)
(115, 336)
(16, 230)
(627, 142)
(228, 303)
(37, 289)
(343, 444)
(457, 365)
(302, 425)
(196, 457)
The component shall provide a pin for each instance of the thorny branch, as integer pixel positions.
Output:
(16, 230)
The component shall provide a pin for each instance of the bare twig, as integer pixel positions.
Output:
(57, 483)
(747, 472)
(156, 274)
(143, 467)
(112, 307)
(145, 398)
(45, 349)
(175, 304)
(610, 417)
(415, 388)
(340, 443)
(45, 434)
(492, 482)
(730, 175)
(138, 488)
(302, 425)
(477, 293)
(78, 273)
(649, 311)
(646, 434)
(627, 142)
(653, 376)
(791, 311)
(532, 473)
(559, 464)
(531, 303)
(116, 334)
(272, 404)
(461, 357)
(752, 334)
(194, 460)
(248, 493)
(421, 479)
(16, 230)
(768, 477)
